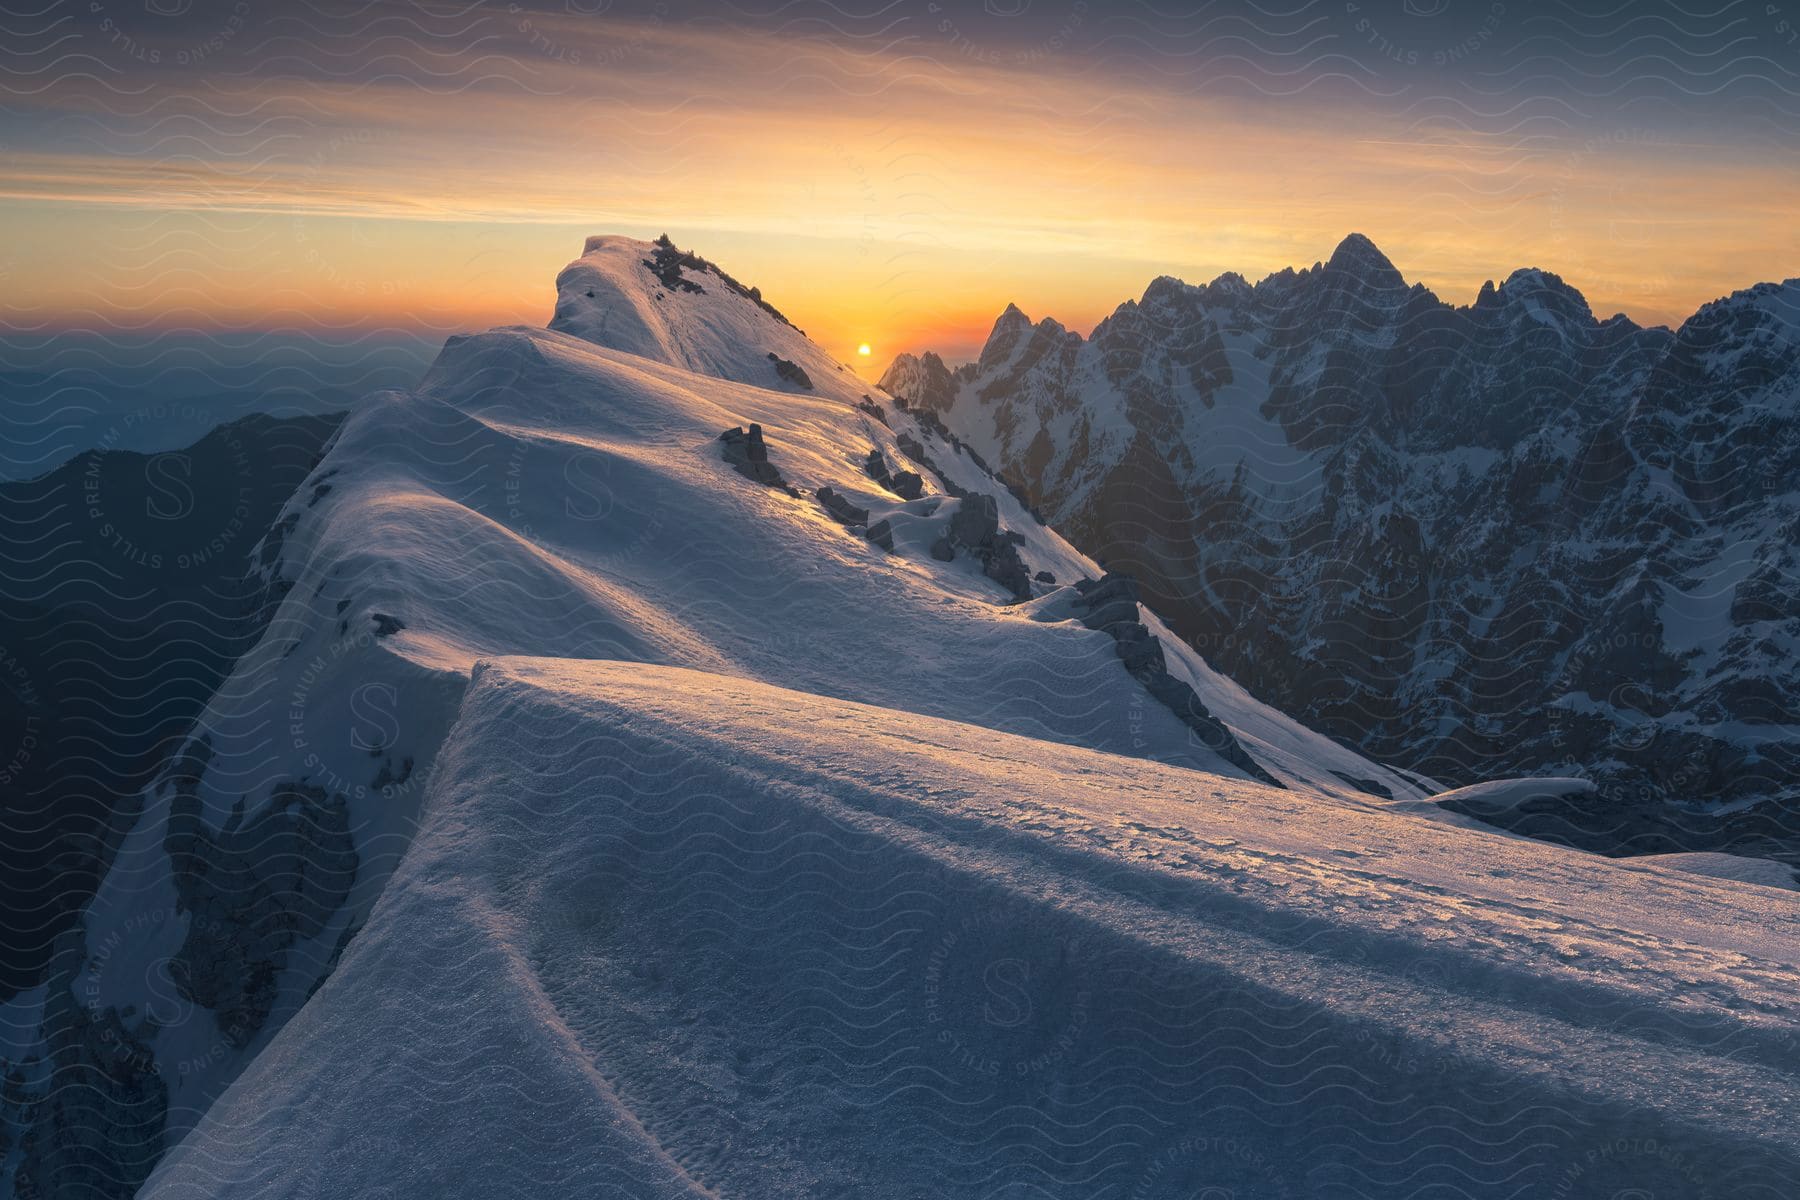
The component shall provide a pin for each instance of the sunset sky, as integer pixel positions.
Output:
(890, 174)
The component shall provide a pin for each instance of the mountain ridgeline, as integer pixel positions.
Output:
(1477, 542)
(642, 708)
(668, 473)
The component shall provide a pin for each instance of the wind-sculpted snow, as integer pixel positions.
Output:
(665, 933)
(1482, 542)
(543, 493)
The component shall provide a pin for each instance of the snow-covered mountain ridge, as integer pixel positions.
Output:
(670, 768)
(665, 933)
(566, 493)
(1503, 539)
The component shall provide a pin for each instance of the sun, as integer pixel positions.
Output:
(863, 350)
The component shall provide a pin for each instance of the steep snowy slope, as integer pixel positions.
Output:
(1509, 538)
(672, 934)
(566, 492)
(124, 604)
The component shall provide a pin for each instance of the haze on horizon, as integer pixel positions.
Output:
(892, 174)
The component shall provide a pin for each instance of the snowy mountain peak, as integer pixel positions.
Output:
(1009, 332)
(1545, 295)
(1009, 325)
(923, 379)
(657, 301)
(1767, 312)
(1357, 255)
(1162, 289)
(1230, 287)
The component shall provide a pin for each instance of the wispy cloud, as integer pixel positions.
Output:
(892, 178)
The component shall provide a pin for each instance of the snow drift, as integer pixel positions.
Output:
(666, 933)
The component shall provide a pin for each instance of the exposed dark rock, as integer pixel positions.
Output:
(1111, 604)
(917, 453)
(667, 263)
(868, 405)
(749, 456)
(841, 509)
(1138, 648)
(1110, 601)
(1004, 567)
(942, 550)
(269, 549)
(1371, 786)
(1045, 577)
(791, 371)
(98, 1129)
(908, 485)
(385, 625)
(251, 889)
(1182, 700)
(387, 777)
(975, 526)
(975, 521)
(321, 489)
(882, 534)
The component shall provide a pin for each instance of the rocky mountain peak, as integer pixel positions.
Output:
(1357, 256)
(1162, 289)
(1231, 288)
(1012, 327)
(921, 379)
(670, 305)
(1543, 293)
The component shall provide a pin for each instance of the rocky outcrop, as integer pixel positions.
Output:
(669, 264)
(95, 1113)
(975, 527)
(908, 485)
(790, 372)
(841, 509)
(251, 889)
(748, 454)
(1110, 603)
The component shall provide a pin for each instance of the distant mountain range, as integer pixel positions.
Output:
(1474, 541)
(126, 595)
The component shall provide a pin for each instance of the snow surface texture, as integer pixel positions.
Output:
(666, 933)
(556, 492)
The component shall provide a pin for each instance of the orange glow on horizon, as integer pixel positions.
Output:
(903, 212)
